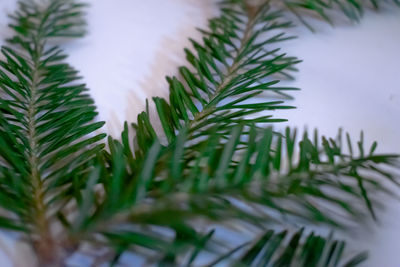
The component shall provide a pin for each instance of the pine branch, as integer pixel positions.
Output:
(272, 248)
(231, 67)
(217, 164)
(259, 182)
(297, 249)
(45, 123)
(236, 175)
(351, 9)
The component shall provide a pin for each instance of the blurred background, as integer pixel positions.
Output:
(350, 78)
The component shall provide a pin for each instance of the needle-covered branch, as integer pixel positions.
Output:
(46, 122)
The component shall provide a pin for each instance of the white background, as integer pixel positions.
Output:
(350, 78)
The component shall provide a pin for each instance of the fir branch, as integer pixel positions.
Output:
(45, 122)
(297, 249)
(217, 164)
(323, 9)
(272, 248)
(192, 178)
(236, 175)
(231, 67)
(259, 182)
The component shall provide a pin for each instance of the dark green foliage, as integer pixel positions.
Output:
(254, 182)
(325, 9)
(298, 249)
(217, 163)
(214, 163)
(47, 134)
(233, 65)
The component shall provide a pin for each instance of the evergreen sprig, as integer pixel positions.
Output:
(46, 129)
(218, 164)
(351, 9)
(257, 182)
(233, 65)
(291, 249)
(214, 164)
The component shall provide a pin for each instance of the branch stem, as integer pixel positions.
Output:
(231, 71)
(44, 243)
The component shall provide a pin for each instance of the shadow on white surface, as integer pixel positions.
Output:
(350, 78)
